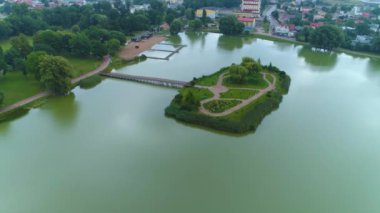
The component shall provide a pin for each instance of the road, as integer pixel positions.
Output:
(268, 13)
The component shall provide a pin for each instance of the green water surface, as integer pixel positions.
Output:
(110, 149)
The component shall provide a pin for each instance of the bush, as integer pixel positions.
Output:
(90, 82)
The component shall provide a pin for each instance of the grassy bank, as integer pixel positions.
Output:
(17, 87)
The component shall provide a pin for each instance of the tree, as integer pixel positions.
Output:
(55, 40)
(5, 30)
(80, 45)
(188, 101)
(327, 37)
(33, 61)
(113, 46)
(229, 25)
(118, 36)
(56, 74)
(195, 25)
(251, 65)
(3, 64)
(376, 45)
(156, 12)
(304, 35)
(189, 13)
(21, 44)
(204, 17)
(275, 14)
(363, 29)
(1, 98)
(238, 73)
(98, 49)
(176, 27)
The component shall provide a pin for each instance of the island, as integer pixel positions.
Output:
(235, 99)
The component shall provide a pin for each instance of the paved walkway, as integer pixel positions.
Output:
(102, 67)
(219, 88)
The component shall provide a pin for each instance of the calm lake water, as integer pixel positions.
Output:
(111, 149)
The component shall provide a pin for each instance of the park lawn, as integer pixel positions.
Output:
(6, 44)
(81, 66)
(209, 80)
(17, 87)
(270, 78)
(254, 81)
(239, 93)
(241, 113)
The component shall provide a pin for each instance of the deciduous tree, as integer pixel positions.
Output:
(56, 74)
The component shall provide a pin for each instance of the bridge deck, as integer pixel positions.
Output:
(148, 80)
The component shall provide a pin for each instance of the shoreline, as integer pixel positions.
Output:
(337, 50)
(130, 51)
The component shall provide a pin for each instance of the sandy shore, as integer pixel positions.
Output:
(130, 51)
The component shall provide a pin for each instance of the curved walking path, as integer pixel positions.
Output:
(219, 88)
(101, 68)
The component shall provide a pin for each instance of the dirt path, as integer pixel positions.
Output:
(102, 67)
(130, 51)
(220, 88)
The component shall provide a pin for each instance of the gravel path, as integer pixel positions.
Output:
(220, 88)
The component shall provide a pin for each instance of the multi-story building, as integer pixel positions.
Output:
(252, 7)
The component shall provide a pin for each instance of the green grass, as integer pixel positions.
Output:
(239, 94)
(254, 81)
(200, 94)
(209, 80)
(217, 106)
(270, 78)
(241, 113)
(16, 87)
(6, 44)
(83, 65)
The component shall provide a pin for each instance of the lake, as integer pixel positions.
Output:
(111, 149)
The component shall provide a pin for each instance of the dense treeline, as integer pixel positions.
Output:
(329, 37)
(195, 4)
(102, 15)
(38, 38)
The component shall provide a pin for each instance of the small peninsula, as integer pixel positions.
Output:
(235, 99)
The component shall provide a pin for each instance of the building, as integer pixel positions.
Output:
(249, 23)
(251, 7)
(135, 8)
(210, 12)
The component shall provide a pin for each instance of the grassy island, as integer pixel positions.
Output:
(235, 99)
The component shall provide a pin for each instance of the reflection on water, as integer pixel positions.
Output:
(320, 61)
(193, 37)
(64, 109)
(232, 42)
(4, 127)
(175, 39)
(373, 69)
